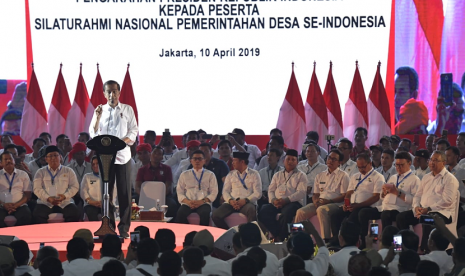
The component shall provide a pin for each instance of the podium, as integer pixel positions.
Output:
(106, 147)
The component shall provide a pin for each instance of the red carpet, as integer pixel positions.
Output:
(58, 234)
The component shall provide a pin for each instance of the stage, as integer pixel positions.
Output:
(58, 234)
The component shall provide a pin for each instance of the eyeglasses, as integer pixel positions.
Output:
(333, 159)
(197, 158)
(400, 165)
(52, 156)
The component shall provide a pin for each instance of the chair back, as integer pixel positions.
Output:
(150, 192)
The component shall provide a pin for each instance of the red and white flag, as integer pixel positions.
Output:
(97, 98)
(355, 112)
(316, 115)
(34, 120)
(291, 120)
(127, 94)
(59, 107)
(75, 122)
(333, 106)
(378, 108)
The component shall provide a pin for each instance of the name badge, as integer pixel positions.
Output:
(7, 197)
(282, 190)
(52, 191)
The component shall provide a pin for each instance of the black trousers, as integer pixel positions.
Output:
(339, 215)
(122, 175)
(203, 211)
(22, 214)
(218, 216)
(278, 228)
(41, 212)
(405, 219)
(92, 212)
(173, 206)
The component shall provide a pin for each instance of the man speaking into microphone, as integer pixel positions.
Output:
(117, 119)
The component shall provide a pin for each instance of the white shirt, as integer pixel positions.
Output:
(33, 167)
(264, 162)
(233, 187)
(408, 186)
(214, 266)
(437, 192)
(459, 173)
(254, 151)
(183, 165)
(91, 187)
(311, 172)
(331, 185)
(323, 153)
(135, 166)
(167, 156)
(104, 260)
(80, 171)
(20, 184)
(79, 267)
(174, 161)
(120, 122)
(152, 269)
(188, 185)
(317, 266)
(393, 266)
(373, 184)
(387, 174)
(350, 167)
(29, 157)
(271, 262)
(65, 183)
(291, 185)
(266, 175)
(20, 270)
(444, 261)
(420, 173)
(340, 260)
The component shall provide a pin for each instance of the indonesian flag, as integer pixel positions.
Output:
(34, 120)
(59, 107)
(291, 120)
(453, 37)
(333, 106)
(419, 27)
(75, 122)
(355, 112)
(378, 108)
(127, 94)
(316, 115)
(97, 98)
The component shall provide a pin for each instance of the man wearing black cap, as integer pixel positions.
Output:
(55, 185)
(385, 142)
(376, 151)
(286, 195)
(395, 140)
(254, 151)
(242, 188)
(420, 163)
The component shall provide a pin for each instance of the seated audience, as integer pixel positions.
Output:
(359, 264)
(193, 261)
(360, 138)
(197, 189)
(387, 168)
(244, 266)
(427, 267)
(42, 254)
(51, 266)
(213, 266)
(166, 239)
(266, 175)
(438, 244)
(408, 262)
(15, 192)
(65, 146)
(259, 256)
(276, 142)
(78, 259)
(21, 255)
(112, 268)
(187, 241)
(315, 137)
(169, 264)
(38, 163)
(347, 165)
(442, 145)
(239, 138)
(330, 189)
(225, 153)
(420, 162)
(147, 255)
(293, 263)
(174, 161)
(241, 191)
(286, 195)
(110, 250)
(311, 167)
(191, 147)
(376, 151)
(91, 192)
(348, 239)
(385, 143)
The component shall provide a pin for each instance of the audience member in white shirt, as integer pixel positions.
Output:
(266, 175)
(174, 161)
(239, 138)
(147, 255)
(110, 250)
(197, 189)
(50, 266)
(376, 151)
(437, 194)
(6, 140)
(42, 254)
(78, 259)
(170, 264)
(387, 168)
(276, 142)
(348, 238)
(437, 244)
(430, 268)
(311, 167)
(37, 144)
(184, 164)
(408, 262)
(290, 264)
(251, 236)
(330, 189)
(363, 192)
(397, 195)
(20, 250)
(244, 265)
(420, 162)
(193, 261)
(286, 195)
(347, 165)
(259, 256)
(452, 157)
(213, 266)
(315, 137)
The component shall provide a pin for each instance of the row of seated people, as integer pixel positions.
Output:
(306, 250)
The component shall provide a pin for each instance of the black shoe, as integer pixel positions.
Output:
(124, 235)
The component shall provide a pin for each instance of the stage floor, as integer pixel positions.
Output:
(58, 234)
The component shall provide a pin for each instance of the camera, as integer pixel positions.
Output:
(329, 137)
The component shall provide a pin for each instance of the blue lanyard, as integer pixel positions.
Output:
(12, 179)
(242, 180)
(198, 180)
(53, 176)
(96, 174)
(397, 185)
(363, 179)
